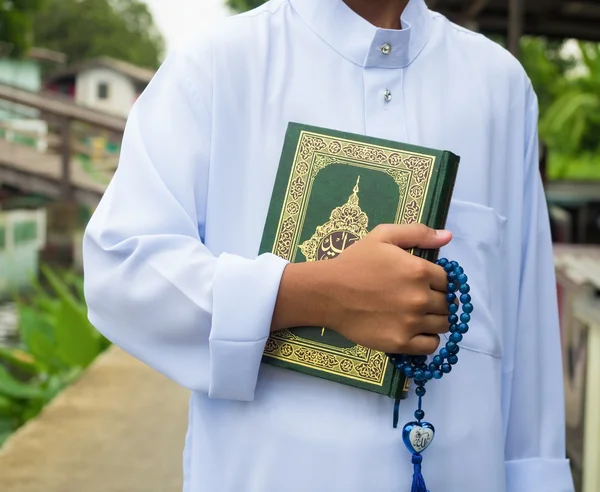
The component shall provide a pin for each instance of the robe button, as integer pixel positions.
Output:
(386, 49)
(387, 95)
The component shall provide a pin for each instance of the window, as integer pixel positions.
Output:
(102, 90)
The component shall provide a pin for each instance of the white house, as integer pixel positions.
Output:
(105, 84)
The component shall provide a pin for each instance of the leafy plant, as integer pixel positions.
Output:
(547, 66)
(56, 343)
(571, 123)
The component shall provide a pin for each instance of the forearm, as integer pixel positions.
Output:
(169, 302)
(306, 296)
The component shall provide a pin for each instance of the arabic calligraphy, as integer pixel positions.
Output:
(347, 224)
(333, 244)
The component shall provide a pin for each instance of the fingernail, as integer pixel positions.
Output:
(442, 232)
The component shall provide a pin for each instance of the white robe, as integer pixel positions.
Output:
(172, 273)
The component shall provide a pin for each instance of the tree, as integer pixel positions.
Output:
(572, 122)
(547, 66)
(83, 29)
(16, 18)
(244, 5)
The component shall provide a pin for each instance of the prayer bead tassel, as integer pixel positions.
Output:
(418, 435)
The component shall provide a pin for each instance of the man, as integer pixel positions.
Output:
(173, 277)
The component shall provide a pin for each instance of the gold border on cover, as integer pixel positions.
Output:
(412, 173)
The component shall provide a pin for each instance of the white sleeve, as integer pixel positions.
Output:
(535, 440)
(152, 286)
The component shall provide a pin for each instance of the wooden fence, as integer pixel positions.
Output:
(62, 130)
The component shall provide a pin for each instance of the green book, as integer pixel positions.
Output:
(331, 189)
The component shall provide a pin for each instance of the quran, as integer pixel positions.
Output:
(332, 188)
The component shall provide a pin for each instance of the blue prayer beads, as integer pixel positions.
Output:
(417, 436)
(416, 367)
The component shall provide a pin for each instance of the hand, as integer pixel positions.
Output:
(387, 299)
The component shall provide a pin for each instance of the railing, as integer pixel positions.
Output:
(55, 126)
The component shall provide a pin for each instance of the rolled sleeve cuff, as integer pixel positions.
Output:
(539, 474)
(244, 296)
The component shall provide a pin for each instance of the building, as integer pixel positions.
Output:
(104, 84)
(21, 124)
(24, 73)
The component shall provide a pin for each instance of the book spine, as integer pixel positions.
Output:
(398, 386)
(441, 195)
(442, 189)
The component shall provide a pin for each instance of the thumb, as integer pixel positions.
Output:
(412, 236)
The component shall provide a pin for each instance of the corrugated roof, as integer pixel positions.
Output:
(561, 19)
(134, 72)
(44, 54)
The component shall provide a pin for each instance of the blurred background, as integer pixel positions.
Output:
(77, 415)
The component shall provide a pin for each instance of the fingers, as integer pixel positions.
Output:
(437, 304)
(434, 324)
(412, 236)
(437, 277)
(423, 345)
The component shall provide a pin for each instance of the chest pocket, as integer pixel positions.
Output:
(477, 246)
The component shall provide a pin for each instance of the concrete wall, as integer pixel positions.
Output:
(25, 74)
(22, 236)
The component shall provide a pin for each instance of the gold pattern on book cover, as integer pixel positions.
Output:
(347, 224)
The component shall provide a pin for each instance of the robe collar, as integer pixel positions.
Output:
(361, 42)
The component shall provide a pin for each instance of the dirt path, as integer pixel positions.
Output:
(120, 428)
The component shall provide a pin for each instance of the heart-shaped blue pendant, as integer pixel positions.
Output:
(417, 436)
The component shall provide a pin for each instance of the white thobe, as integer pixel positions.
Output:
(173, 277)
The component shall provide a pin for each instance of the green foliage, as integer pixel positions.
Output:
(16, 18)
(84, 29)
(571, 125)
(581, 167)
(56, 343)
(568, 90)
(244, 5)
(546, 66)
